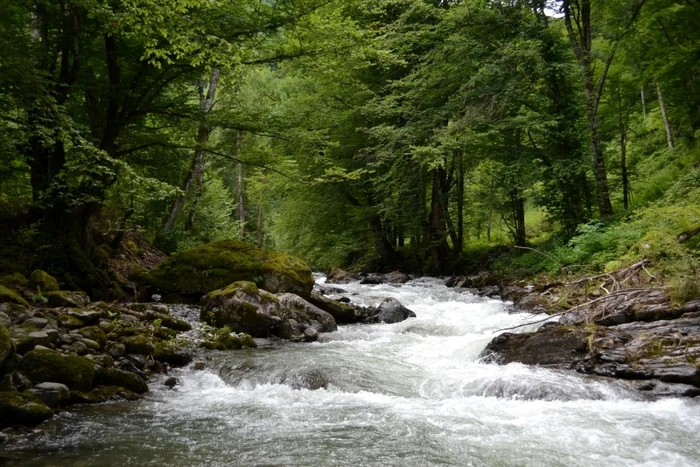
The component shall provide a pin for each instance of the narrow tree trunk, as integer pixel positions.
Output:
(490, 221)
(519, 214)
(239, 188)
(460, 205)
(664, 114)
(436, 232)
(260, 225)
(644, 104)
(195, 174)
(623, 153)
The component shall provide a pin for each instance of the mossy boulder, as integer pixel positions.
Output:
(67, 298)
(45, 365)
(94, 333)
(243, 308)
(43, 281)
(95, 396)
(224, 340)
(10, 296)
(7, 347)
(139, 344)
(200, 270)
(19, 408)
(125, 379)
(14, 280)
(307, 314)
(175, 353)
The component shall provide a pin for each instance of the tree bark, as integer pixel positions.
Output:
(260, 226)
(436, 232)
(195, 174)
(239, 184)
(664, 114)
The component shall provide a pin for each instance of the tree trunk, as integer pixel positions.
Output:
(623, 153)
(195, 174)
(460, 204)
(644, 104)
(436, 229)
(664, 114)
(260, 225)
(239, 185)
(381, 242)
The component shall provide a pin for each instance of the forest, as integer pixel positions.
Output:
(523, 136)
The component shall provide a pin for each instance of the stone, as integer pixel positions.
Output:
(115, 349)
(396, 277)
(392, 311)
(101, 359)
(201, 270)
(243, 308)
(52, 394)
(90, 344)
(125, 379)
(137, 344)
(288, 330)
(551, 346)
(21, 408)
(340, 276)
(171, 382)
(94, 333)
(329, 290)
(10, 296)
(44, 365)
(310, 335)
(311, 379)
(70, 322)
(66, 298)
(5, 320)
(307, 314)
(43, 282)
(169, 321)
(7, 346)
(36, 322)
(173, 353)
(341, 312)
(96, 396)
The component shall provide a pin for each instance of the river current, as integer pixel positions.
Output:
(408, 394)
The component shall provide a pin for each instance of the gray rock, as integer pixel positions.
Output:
(310, 335)
(339, 276)
(342, 313)
(115, 349)
(287, 330)
(392, 311)
(37, 322)
(52, 394)
(171, 382)
(5, 319)
(306, 313)
(396, 277)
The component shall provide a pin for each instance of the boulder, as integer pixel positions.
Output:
(67, 298)
(340, 276)
(307, 314)
(20, 408)
(42, 281)
(93, 333)
(44, 365)
(392, 311)
(549, 346)
(173, 353)
(10, 296)
(243, 308)
(125, 379)
(14, 280)
(201, 270)
(7, 347)
(52, 394)
(168, 321)
(396, 277)
(139, 344)
(341, 312)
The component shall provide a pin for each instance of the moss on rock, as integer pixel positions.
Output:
(42, 365)
(200, 270)
(7, 347)
(14, 280)
(43, 281)
(138, 344)
(67, 298)
(175, 353)
(20, 408)
(93, 333)
(10, 296)
(125, 379)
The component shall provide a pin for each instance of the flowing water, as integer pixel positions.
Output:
(406, 394)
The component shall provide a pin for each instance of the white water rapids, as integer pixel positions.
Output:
(406, 394)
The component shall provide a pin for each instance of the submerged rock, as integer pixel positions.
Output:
(243, 308)
(201, 270)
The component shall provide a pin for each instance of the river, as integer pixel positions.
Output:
(406, 394)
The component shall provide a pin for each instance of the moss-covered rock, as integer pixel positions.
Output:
(42, 365)
(7, 347)
(125, 379)
(118, 392)
(14, 280)
(10, 296)
(19, 408)
(70, 322)
(95, 396)
(43, 281)
(138, 344)
(222, 339)
(176, 353)
(200, 270)
(243, 308)
(93, 333)
(67, 298)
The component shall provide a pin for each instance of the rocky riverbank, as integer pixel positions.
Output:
(64, 349)
(617, 325)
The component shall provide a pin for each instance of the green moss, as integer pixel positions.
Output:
(41, 280)
(7, 347)
(94, 333)
(118, 392)
(65, 298)
(218, 264)
(21, 408)
(10, 296)
(173, 352)
(139, 344)
(42, 365)
(125, 379)
(14, 280)
(93, 397)
(70, 322)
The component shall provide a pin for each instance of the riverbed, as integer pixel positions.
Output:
(414, 393)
